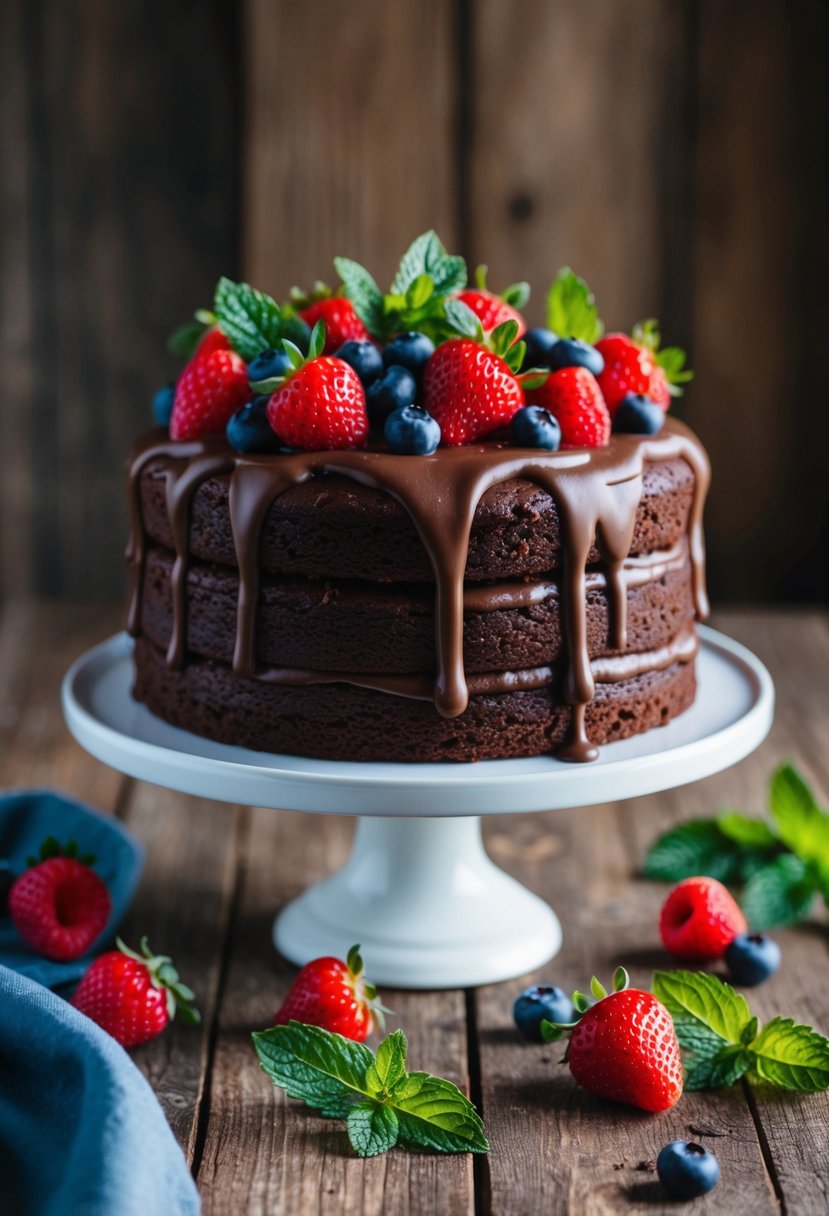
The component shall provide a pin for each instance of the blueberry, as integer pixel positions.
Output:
(687, 1170)
(572, 352)
(410, 351)
(268, 363)
(7, 877)
(249, 431)
(752, 958)
(536, 1004)
(638, 415)
(163, 404)
(410, 431)
(539, 343)
(533, 427)
(365, 358)
(391, 392)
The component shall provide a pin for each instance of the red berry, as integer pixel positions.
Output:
(630, 368)
(211, 339)
(699, 919)
(625, 1048)
(491, 310)
(60, 907)
(132, 996)
(332, 994)
(575, 400)
(469, 391)
(322, 406)
(341, 322)
(209, 391)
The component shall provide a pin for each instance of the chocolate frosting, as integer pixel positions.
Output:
(596, 490)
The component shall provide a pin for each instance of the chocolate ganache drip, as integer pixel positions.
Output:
(597, 492)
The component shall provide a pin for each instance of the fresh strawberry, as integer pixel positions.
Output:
(341, 322)
(59, 905)
(209, 391)
(699, 919)
(630, 368)
(133, 996)
(575, 400)
(321, 406)
(623, 1047)
(469, 390)
(334, 995)
(213, 339)
(491, 310)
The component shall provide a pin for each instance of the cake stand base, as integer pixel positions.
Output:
(428, 907)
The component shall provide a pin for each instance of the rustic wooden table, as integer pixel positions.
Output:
(216, 873)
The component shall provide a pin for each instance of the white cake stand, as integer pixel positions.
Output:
(419, 893)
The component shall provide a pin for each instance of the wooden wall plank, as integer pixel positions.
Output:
(350, 140)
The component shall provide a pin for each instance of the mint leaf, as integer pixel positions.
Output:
(696, 847)
(571, 308)
(791, 1056)
(363, 293)
(723, 1068)
(420, 292)
(696, 1038)
(802, 825)
(372, 1129)
(423, 250)
(389, 1068)
(780, 893)
(249, 319)
(746, 831)
(463, 321)
(433, 1113)
(705, 999)
(322, 1069)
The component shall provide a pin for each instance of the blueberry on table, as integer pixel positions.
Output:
(687, 1170)
(534, 427)
(752, 958)
(534, 1005)
(364, 358)
(539, 343)
(163, 403)
(393, 391)
(249, 431)
(638, 415)
(409, 350)
(267, 364)
(411, 431)
(572, 352)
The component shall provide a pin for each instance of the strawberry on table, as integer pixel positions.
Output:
(469, 390)
(573, 397)
(59, 905)
(209, 391)
(623, 1046)
(321, 405)
(334, 995)
(341, 322)
(637, 365)
(699, 919)
(133, 996)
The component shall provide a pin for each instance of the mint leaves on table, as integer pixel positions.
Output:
(724, 1041)
(382, 1103)
(782, 864)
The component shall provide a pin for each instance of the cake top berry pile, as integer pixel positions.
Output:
(431, 362)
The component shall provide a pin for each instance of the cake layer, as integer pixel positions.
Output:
(332, 721)
(357, 627)
(335, 527)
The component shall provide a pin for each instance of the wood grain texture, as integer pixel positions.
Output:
(350, 135)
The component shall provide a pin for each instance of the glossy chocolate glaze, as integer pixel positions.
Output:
(596, 490)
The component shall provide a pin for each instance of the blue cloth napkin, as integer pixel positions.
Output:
(81, 1132)
(27, 817)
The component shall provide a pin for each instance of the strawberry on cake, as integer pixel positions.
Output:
(404, 526)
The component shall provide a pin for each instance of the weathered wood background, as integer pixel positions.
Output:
(672, 151)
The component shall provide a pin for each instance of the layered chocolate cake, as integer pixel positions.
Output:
(531, 588)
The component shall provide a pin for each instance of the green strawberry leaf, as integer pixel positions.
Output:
(722, 1069)
(514, 359)
(503, 337)
(705, 999)
(322, 1069)
(463, 321)
(672, 361)
(363, 293)
(571, 308)
(250, 319)
(433, 1113)
(697, 847)
(779, 893)
(372, 1128)
(516, 295)
(791, 1056)
(746, 831)
(316, 343)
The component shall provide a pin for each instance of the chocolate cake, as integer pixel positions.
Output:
(376, 601)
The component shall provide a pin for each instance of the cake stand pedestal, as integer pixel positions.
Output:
(419, 893)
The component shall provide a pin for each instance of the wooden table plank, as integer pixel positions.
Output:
(263, 1154)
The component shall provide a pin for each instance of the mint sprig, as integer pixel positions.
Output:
(382, 1103)
(781, 863)
(252, 321)
(571, 308)
(722, 1039)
